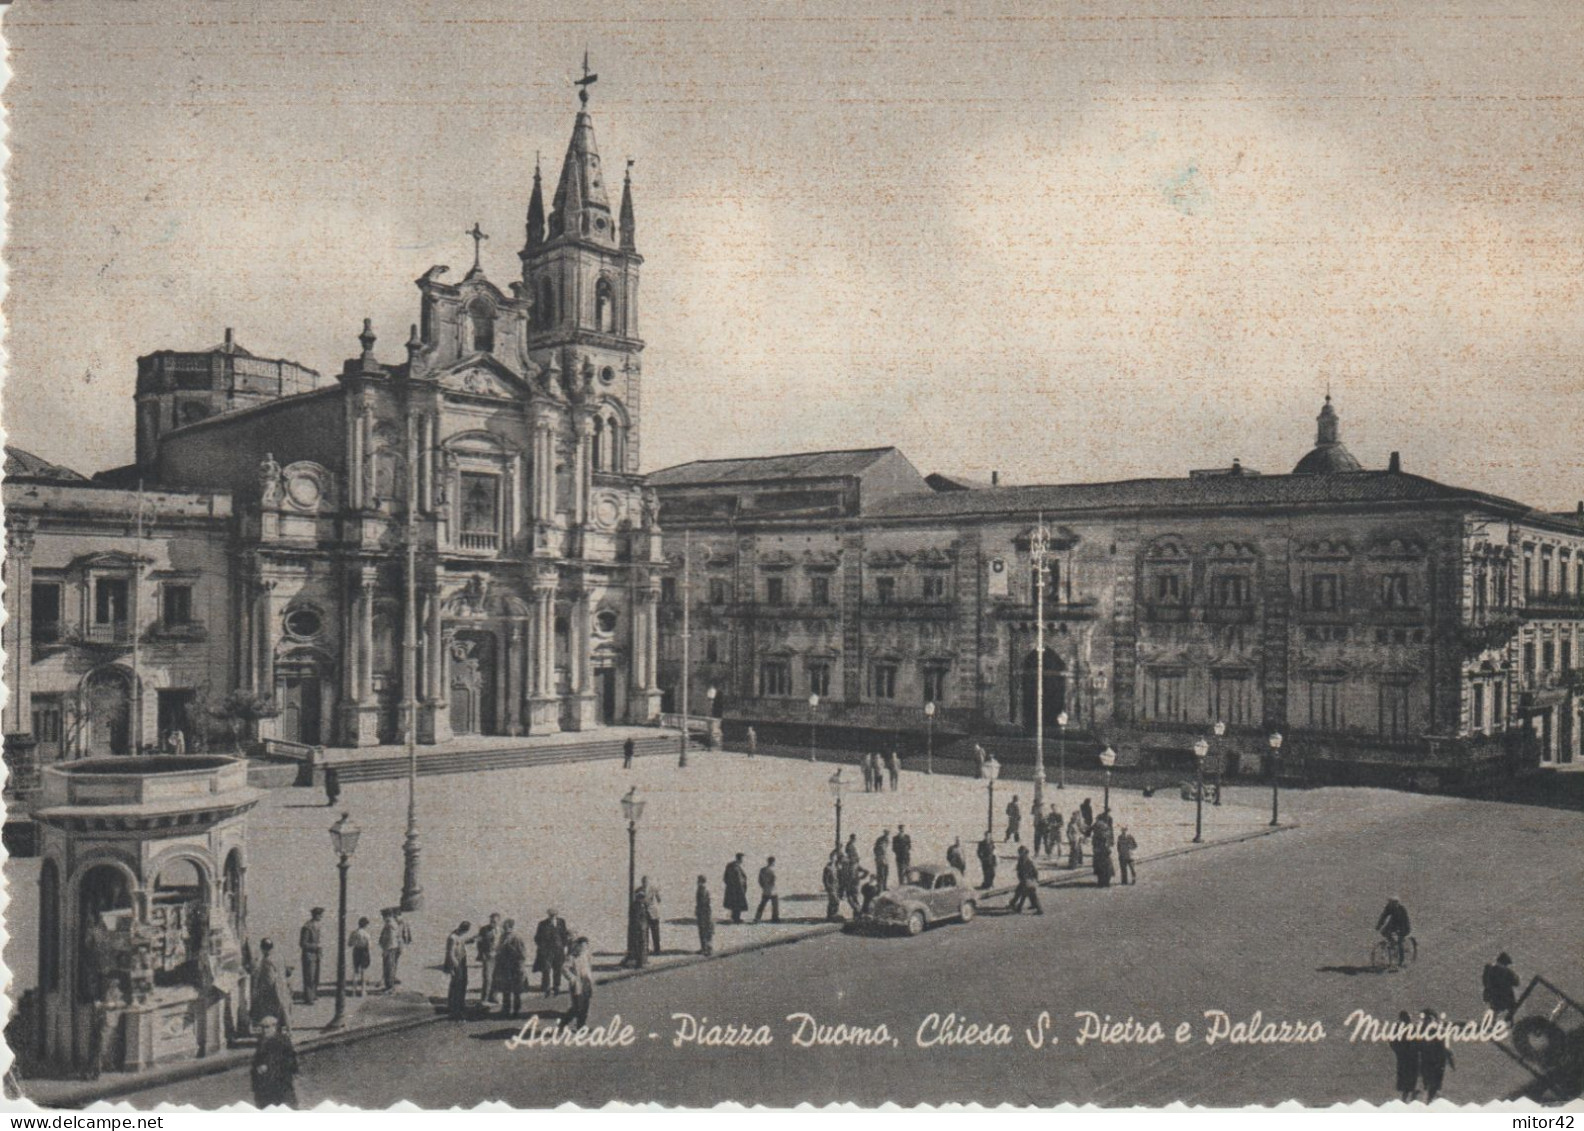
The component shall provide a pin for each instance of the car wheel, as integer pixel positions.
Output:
(969, 910)
(916, 923)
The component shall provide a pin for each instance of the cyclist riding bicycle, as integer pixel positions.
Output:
(1393, 926)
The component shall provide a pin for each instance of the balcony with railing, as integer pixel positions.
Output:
(479, 541)
(1566, 605)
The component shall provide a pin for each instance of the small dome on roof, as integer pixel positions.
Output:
(1329, 456)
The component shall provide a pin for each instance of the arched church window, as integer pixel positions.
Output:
(482, 320)
(604, 307)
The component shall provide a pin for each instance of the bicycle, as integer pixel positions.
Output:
(1386, 954)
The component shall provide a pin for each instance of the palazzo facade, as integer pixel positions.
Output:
(1390, 626)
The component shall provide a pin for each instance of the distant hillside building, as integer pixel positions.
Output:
(1389, 625)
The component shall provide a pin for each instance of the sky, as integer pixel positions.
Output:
(1090, 240)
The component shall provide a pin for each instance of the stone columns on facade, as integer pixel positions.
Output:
(434, 716)
(580, 643)
(360, 714)
(644, 693)
(544, 476)
(19, 627)
(582, 480)
(544, 707)
(516, 664)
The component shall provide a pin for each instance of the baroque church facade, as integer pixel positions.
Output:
(462, 531)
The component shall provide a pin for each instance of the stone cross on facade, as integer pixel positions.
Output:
(478, 238)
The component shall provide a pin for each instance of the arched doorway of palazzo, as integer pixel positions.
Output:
(107, 711)
(473, 682)
(305, 681)
(1055, 689)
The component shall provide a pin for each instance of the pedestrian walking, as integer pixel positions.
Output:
(1053, 832)
(1126, 846)
(1103, 869)
(902, 849)
(979, 758)
(637, 955)
(652, 914)
(511, 962)
(1435, 1057)
(332, 786)
(704, 916)
(310, 945)
(393, 937)
(831, 881)
(868, 773)
(274, 1069)
(456, 967)
(882, 847)
(851, 851)
(767, 892)
(877, 771)
(271, 996)
(362, 944)
(1087, 809)
(486, 943)
(552, 940)
(1075, 839)
(579, 971)
(1014, 816)
(736, 881)
(987, 861)
(1027, 892)
(1501, 986)
(852, 875)
(629, 748)
(1405, 1050)
(954, 857)
(894, 769)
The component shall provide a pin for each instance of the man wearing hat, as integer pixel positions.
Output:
(551, 941)
(308, 941)
(271, 994)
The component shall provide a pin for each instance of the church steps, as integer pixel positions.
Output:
(498, 758)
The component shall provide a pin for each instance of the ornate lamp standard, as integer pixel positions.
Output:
(1061, 750)
(836, 786)
(632, 809)
(929, 738)
(1200, 749)
(813, 723)
(344, 839)
(1108, 759)
(1275, 746)
(1220, 730)
(992, 770)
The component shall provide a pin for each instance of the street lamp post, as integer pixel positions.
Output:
(1275, 746)
(709, 734)
(1200, 749)
(343, 838)
(1220, 730)
(992, 770)
(632, 809)
(1061, 750)
(929, 738)
(836, 785)
(1108, 759)
(813, 723)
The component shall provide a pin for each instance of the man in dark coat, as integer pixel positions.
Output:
(1014, 816)
(1101, 838)
(1126, 846)
(704, 915)
(637, 955)
(552, 940)
(274, 1071)
(1027, 884)
(768, 897)
(310, 944)
(987, 861)
(851, 851)
(902, 848)
(736, 881)
(1406, 1052)
(271, 996)
(1434, 1060)
(882, 846)
(1087, 809)
(511, 960)
(1501, 986)
(628, 749)
(852, 875)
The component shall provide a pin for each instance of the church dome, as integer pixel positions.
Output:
(21, 464)
(1329, 455)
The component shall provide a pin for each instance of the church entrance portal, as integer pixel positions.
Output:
(605, 687)
(473, 683)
